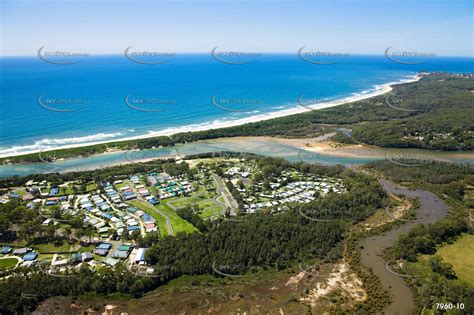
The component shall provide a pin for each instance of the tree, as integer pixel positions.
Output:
(4, 224)
(443, 268)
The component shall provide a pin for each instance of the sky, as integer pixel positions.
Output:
(442, 27)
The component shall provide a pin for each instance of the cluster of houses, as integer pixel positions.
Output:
(27, 255)
(108, 209)
(102, 249)
(105, 212)
(123, 218)
(125, 192)
(235, 171)
(149, 223)
(63, 262)
(128, 193)
(168, 186)
(121, 253)
(284, 189)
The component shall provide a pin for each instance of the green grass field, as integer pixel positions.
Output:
(66, 191)
(50, 248)
(91, 186)
(202, 199)
(159, 219)
(181, 202)
(209, 209)
(458, 254)
(118, 186)
(179, 224)
(7, 263)
(220, 199)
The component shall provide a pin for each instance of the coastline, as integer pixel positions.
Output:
(378, 90)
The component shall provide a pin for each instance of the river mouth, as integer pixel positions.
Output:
(312, 151)
(373, 247)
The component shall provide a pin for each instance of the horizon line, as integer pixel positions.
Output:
(237, 50)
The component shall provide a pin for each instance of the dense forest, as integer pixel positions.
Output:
(439, 115)
(423, 239)
(432, 172)
(434, 113)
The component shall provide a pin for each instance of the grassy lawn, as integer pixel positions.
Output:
(118, 186)
(45, 256)
(209, 209)
(183, 201)
(179, 225)
(67, 190)
(458, 254)
(86, 249)
(50, 248)
(180, 202)
(221, 199)
(159, 219)
(91, 186)
(7, 263)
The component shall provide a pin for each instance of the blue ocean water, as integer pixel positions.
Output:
(107, 98)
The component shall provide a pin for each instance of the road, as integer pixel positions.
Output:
(164, 215)
(432, 209)
(145, 203)
(228, 199)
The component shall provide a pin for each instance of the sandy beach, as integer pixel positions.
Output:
(320, 145)
(379, 90)
(327, 147)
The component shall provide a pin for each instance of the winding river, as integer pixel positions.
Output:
(431, 209)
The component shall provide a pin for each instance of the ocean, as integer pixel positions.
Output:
(46, 105)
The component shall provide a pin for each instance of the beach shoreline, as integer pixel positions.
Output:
(378, 90)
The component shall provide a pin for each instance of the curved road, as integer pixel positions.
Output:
(431, 209)
(225, 193)
(151, 208)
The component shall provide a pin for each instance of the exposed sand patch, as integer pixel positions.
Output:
(402, 209)
(295, 280)
(322, 145)
(341, 278)
(109, 309)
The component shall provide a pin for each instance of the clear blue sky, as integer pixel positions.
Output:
(444, 27)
